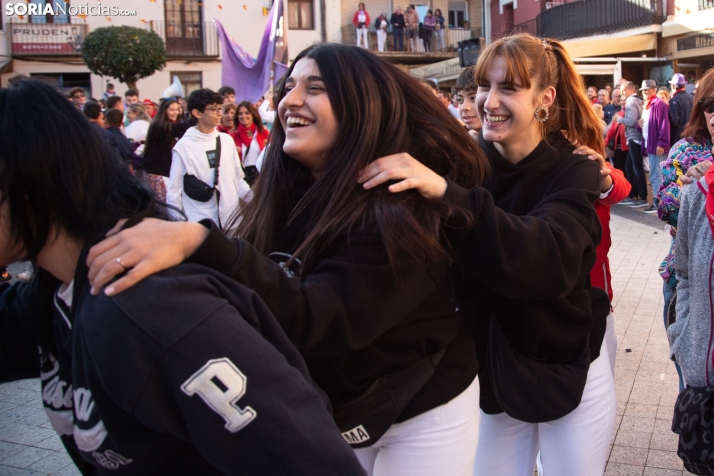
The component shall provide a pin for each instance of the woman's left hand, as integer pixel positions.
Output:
(605, 178)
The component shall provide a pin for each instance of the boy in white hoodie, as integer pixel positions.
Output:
(196, 154)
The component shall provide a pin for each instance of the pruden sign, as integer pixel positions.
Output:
(695, 42)
(47, 38)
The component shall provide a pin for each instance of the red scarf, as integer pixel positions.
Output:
(245, 137)
(709, 178)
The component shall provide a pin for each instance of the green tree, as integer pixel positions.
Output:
(124, 52)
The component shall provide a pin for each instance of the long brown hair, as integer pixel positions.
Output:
(250, 107)
(381, 111)
(541, 63)
(697, 128)
(159, 137)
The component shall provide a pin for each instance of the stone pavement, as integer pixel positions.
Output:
(646, 380)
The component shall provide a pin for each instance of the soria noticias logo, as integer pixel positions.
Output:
(62, 8)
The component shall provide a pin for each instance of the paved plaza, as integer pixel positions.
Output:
(646, 381)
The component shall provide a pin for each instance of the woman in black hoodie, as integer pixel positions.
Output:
(525, 263)
(165, 130)
(359, 280)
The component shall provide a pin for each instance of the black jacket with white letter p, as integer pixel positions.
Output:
(186, 373)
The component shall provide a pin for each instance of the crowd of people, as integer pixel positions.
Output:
(355, 276)
(667, 132)
(405, 24)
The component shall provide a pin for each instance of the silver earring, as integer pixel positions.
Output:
(538, 114)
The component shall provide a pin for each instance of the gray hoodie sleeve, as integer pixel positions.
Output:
(690, 336)
(632, 113)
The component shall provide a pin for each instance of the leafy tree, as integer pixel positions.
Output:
(124, 52)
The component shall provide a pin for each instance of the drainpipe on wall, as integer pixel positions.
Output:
(486, 21)
(323, 22)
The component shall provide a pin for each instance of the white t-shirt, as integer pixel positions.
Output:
(267, 114)
(251, 158)
(646, 124)
(136, 132)
(361, 17)
(454, 111)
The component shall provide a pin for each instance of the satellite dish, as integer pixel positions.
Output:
(175, 90)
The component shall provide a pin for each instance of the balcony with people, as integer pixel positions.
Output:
(414, 36)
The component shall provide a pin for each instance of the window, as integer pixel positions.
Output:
(183, 19)
(457, 18)
(190, 80)
(184, 33)
(60, 6)
(301, 15)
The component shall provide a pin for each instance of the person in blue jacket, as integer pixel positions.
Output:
(189, 373)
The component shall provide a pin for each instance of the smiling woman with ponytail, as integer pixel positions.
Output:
(526, 260)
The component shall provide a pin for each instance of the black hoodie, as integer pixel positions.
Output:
(527, 259)
(350, 318)
(202, 381)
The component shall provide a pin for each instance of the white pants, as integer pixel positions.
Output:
(381, 39)
(576, 444)
(362, 33)
(611, 341)
(438, 442)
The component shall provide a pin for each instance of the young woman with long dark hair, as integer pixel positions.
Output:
(165, 130)
(539, 325)
(252, 137)
(189, 373)
(359, 279)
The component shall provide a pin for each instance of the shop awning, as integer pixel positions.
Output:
(595, 69)
(611, 46)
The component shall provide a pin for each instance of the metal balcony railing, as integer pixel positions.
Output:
(42, 39)
(706, 4)
(591, 17)
(451, 38)
(188, 40)
(460, 34)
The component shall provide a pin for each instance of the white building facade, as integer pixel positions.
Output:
(48, 47)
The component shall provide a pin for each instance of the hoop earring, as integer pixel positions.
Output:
(538, 114)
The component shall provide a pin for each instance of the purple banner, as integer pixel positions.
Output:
(250, 77)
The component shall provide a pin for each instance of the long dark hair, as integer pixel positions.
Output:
(160, 138)
(381, 111)
(56, 172)
(250, 107)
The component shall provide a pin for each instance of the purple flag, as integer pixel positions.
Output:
(250, 77)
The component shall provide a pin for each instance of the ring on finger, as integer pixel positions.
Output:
(121, 263)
